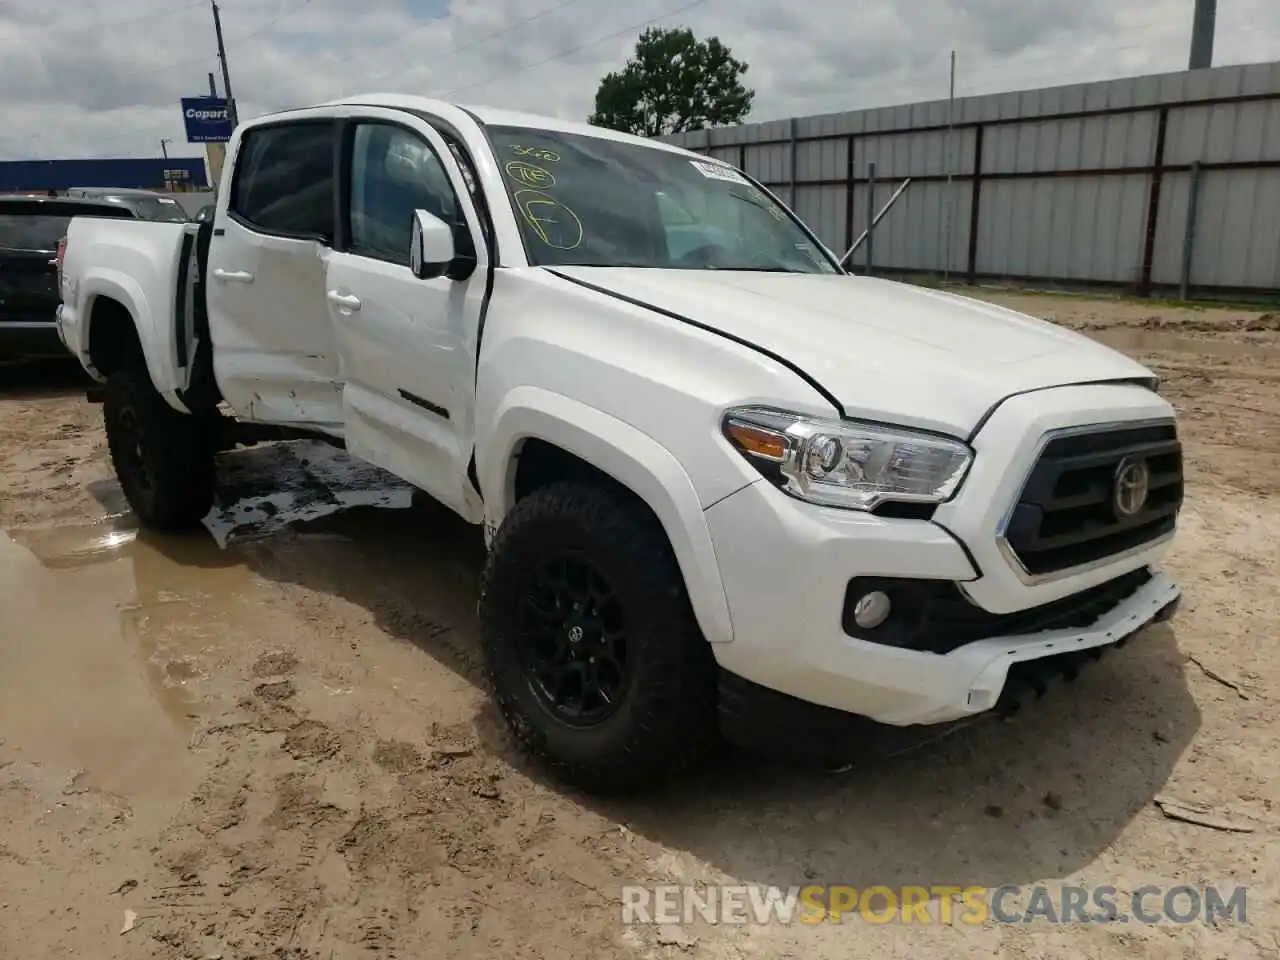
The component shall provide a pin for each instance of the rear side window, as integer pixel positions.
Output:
(31, 231)
(156, 208)
(39, 225)
(284, 180)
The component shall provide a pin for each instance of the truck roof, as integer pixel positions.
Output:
(58, 206)
(502, 118)
(119, 191)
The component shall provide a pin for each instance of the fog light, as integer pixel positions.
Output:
(871, 610)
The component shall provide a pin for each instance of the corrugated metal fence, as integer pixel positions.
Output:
(1085, 184)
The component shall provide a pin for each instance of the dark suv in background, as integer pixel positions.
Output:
(31, 229)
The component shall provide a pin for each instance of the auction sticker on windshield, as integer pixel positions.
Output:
(718, 171)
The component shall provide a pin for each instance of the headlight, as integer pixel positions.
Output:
(840, 463)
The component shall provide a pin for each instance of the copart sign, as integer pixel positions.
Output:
(207, 119)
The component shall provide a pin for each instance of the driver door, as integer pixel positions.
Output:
(406, 346)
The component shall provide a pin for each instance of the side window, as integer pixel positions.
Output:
(393, 173)
(284, 180)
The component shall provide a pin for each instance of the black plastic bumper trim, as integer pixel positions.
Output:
(756, 719)
(934, 616)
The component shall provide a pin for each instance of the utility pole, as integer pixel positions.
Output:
(164, 146)
(215, 153)
(226, 73)
(1202, 29)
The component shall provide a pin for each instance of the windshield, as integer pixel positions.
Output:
(589, 201)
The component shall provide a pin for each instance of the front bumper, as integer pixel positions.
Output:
(786, 566)
(757, 718)
(786, 604)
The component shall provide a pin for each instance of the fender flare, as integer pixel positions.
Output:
(631, 457)
(156, 339)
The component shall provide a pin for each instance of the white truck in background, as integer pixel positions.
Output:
(725, 487)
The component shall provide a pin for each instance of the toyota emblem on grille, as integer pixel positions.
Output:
(1129, 492)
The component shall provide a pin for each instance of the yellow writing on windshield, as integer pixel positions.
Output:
(555, 224)
(537, 153)
(530, 174)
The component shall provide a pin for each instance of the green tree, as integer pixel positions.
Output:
(675, 82)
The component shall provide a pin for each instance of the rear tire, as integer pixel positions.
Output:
(163, 459)
(581, 584)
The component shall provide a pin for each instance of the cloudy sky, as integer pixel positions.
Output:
(104, 79)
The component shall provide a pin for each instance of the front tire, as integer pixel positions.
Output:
(163, 459)
(591, 647)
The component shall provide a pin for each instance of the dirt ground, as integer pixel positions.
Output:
(271, 741)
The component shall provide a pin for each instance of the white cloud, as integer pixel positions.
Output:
(105, 79)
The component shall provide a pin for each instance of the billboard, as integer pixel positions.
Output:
(207, 119)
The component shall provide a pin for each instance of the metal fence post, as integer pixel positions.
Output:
(850, 178)
(1153, 204)
(975, 205)
(871, 214)
(1189, 237)
(794, 152)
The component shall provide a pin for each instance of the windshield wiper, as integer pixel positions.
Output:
(762, 269)
(767, 208)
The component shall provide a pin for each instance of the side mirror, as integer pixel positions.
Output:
(431, 247)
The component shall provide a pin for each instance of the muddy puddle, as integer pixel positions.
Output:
(97, 672)
(111, 637)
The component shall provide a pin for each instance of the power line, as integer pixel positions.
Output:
(978, 79)
(205, 59)
(466, 46)
(977, 74)
(982, 75)
(266, 27)
(280, 11)
(573, 50)
(1035, 80)
(151, 16)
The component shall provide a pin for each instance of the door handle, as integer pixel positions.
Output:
(232, 276)
(343, 300)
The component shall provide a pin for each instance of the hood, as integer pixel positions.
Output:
(887, 351)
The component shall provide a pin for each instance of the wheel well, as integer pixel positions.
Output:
(539, 464)
(113, 337)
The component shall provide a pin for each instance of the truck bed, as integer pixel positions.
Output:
(155, 271)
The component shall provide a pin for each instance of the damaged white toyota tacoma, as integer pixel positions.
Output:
(725, 486)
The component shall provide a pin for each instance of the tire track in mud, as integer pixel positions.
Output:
(298, 861)
(310, 836)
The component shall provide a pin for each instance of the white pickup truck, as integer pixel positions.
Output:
(725, 486)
